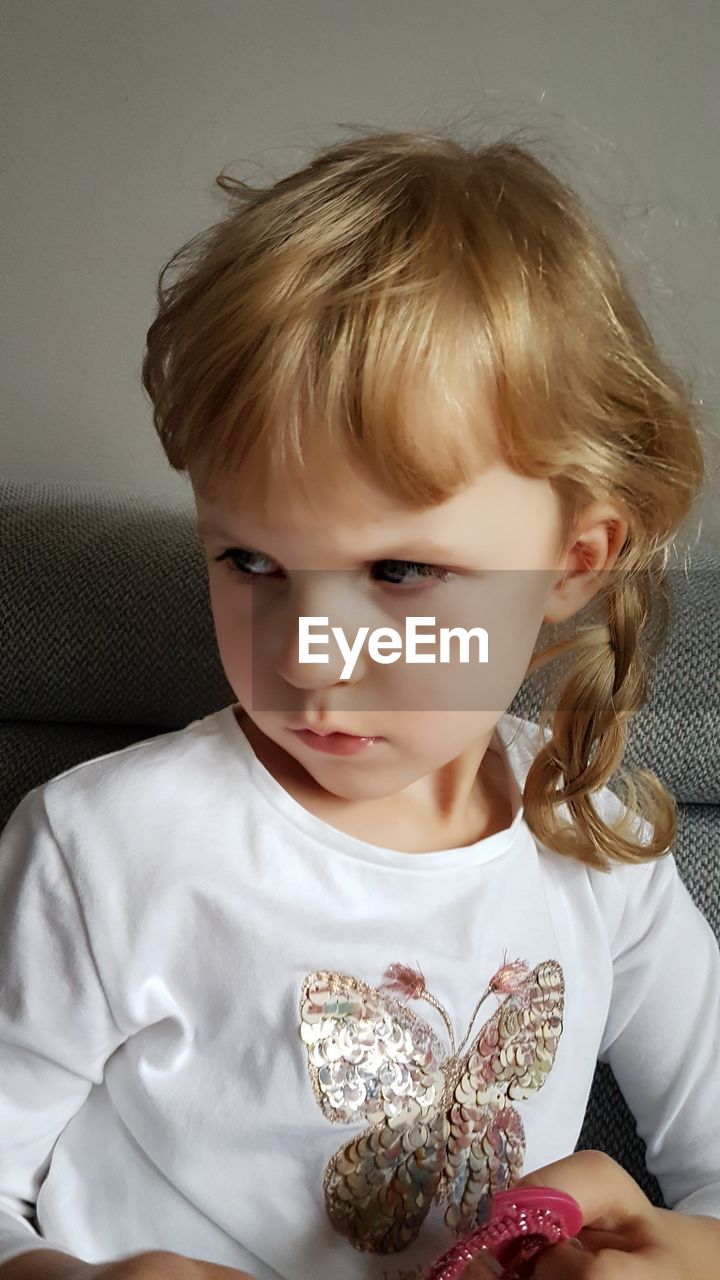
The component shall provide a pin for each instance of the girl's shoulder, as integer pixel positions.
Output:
(121, 782)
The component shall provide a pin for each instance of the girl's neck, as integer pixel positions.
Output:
(390, 822)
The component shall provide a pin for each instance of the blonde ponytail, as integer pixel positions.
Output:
(605, 688)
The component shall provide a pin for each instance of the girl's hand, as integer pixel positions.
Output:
(156, 1264)
(625, 1235)
(161, 1265)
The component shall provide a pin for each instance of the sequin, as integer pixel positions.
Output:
(442, 1125)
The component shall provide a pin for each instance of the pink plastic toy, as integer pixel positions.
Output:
(522, 1223)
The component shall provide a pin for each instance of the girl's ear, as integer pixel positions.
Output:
(598, 537)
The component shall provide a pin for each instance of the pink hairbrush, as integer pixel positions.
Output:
(521, 1225)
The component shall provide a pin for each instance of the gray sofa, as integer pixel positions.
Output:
(106, 638)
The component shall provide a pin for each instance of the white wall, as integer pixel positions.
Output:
(119, 114)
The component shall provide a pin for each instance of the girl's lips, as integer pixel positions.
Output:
(335, 744)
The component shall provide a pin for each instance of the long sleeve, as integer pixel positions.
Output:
(662, 1034)
(56, 1028)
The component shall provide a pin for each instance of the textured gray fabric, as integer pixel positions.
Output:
(106, 638)
(104, 609)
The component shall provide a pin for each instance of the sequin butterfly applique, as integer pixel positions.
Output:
(443, 1127)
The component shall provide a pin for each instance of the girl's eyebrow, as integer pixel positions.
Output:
(207, 526)
(409, 551)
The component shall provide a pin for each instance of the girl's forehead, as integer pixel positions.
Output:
(335, 494)
(346, 480)
(347, 507)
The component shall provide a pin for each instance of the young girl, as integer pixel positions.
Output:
(292, 992)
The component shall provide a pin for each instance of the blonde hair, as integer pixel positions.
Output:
(394, 257)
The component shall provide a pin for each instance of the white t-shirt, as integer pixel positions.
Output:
(197, 1051)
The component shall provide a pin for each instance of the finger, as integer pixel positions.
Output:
(633, 1234)
(571, 1259)
(489, 1269)
(606, 1193)
(564, 1261)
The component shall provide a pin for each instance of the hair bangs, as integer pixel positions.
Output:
(397, 384)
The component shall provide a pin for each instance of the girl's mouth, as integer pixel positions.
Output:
(335, 744)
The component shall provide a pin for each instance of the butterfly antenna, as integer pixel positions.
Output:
(483, 997)
(427, 995)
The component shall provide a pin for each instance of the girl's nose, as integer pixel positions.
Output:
(316, 675)
(329, 600)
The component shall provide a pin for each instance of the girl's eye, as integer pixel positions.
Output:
(396, 569)
(233, 555)
(419, 569)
